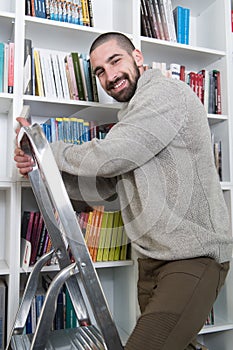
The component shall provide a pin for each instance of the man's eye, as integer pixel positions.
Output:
(99, 73)
(115, 61)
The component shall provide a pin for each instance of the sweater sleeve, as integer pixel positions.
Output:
(148, 124)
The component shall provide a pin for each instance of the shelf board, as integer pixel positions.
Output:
(6, 14)
(54, 107)
(5, 102)
(190, 56)
(97, 265)
(216, 328)
(216, 118)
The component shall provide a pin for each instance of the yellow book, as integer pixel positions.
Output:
(38, 73)
(124, 246)
(85, 13)
(102, 237)
(108, 236)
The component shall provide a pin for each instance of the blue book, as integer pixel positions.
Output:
(1, 67)
(179, 25)
(186, 15)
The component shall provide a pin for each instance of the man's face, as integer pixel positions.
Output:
(116, 70)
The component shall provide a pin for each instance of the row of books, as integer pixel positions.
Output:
(74, 130)
(76, 11)
(7, 53)
(206, 84)
(3, 298)
(56, 74)
(65, 316)
(104, 234)
(160, 21)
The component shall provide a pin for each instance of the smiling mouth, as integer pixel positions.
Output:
(120, 84)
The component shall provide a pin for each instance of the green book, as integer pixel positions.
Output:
(78, 75)
(114, 235)
(119, 239)
(108, 236)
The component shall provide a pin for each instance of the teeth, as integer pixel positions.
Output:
(118, 85)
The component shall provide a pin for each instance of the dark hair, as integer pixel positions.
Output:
(122, 40)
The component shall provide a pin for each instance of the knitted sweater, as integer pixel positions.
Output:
(159, 160)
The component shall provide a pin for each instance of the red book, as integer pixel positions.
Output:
(11, 67)
(232, 21)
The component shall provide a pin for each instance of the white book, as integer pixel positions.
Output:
(47, 73)
(62, 69)
(170, 20)
(56, 73)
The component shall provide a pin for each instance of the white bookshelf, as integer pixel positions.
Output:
(210, 47)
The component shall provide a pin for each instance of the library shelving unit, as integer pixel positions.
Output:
(209, 48)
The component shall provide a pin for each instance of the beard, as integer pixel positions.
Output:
(127, 93)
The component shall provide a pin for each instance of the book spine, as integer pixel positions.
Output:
(1, 67)
(11, 68)
(159, 19)
(186, 20)
(178, 23)
(78, 75)
(39, 85)
(164, 20)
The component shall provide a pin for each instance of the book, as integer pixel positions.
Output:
(119, 238)
(11, 67)
(62, 71)
(6, 62)
(39, 84)
(145, 25)
(78, 75)
(3, 300)
(186, 21)
(2, 67)
(170, 20)
(96, 232)
(217, 89)
(179, 24)
(158, 19)
(115, 228)
(71, 78)
(108, 236)
(56, 75)
(164, 20)
(47, 73)
(102, 235)
(85, 13)
(27, 84)
(33, 239)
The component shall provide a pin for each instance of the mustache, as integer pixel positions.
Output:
(112, 83)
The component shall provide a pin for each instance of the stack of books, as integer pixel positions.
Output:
(7, 53)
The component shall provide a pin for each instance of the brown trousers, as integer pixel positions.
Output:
(175, 298)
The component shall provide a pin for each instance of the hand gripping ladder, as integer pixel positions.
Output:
(54, 204)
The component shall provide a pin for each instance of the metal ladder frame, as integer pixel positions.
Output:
(54, 203)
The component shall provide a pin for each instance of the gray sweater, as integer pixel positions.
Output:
(159, 160)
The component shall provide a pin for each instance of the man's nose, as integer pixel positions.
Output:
(111, 74)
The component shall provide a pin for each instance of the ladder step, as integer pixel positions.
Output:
(80, 338)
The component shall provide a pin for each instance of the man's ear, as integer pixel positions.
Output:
(138, 57)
